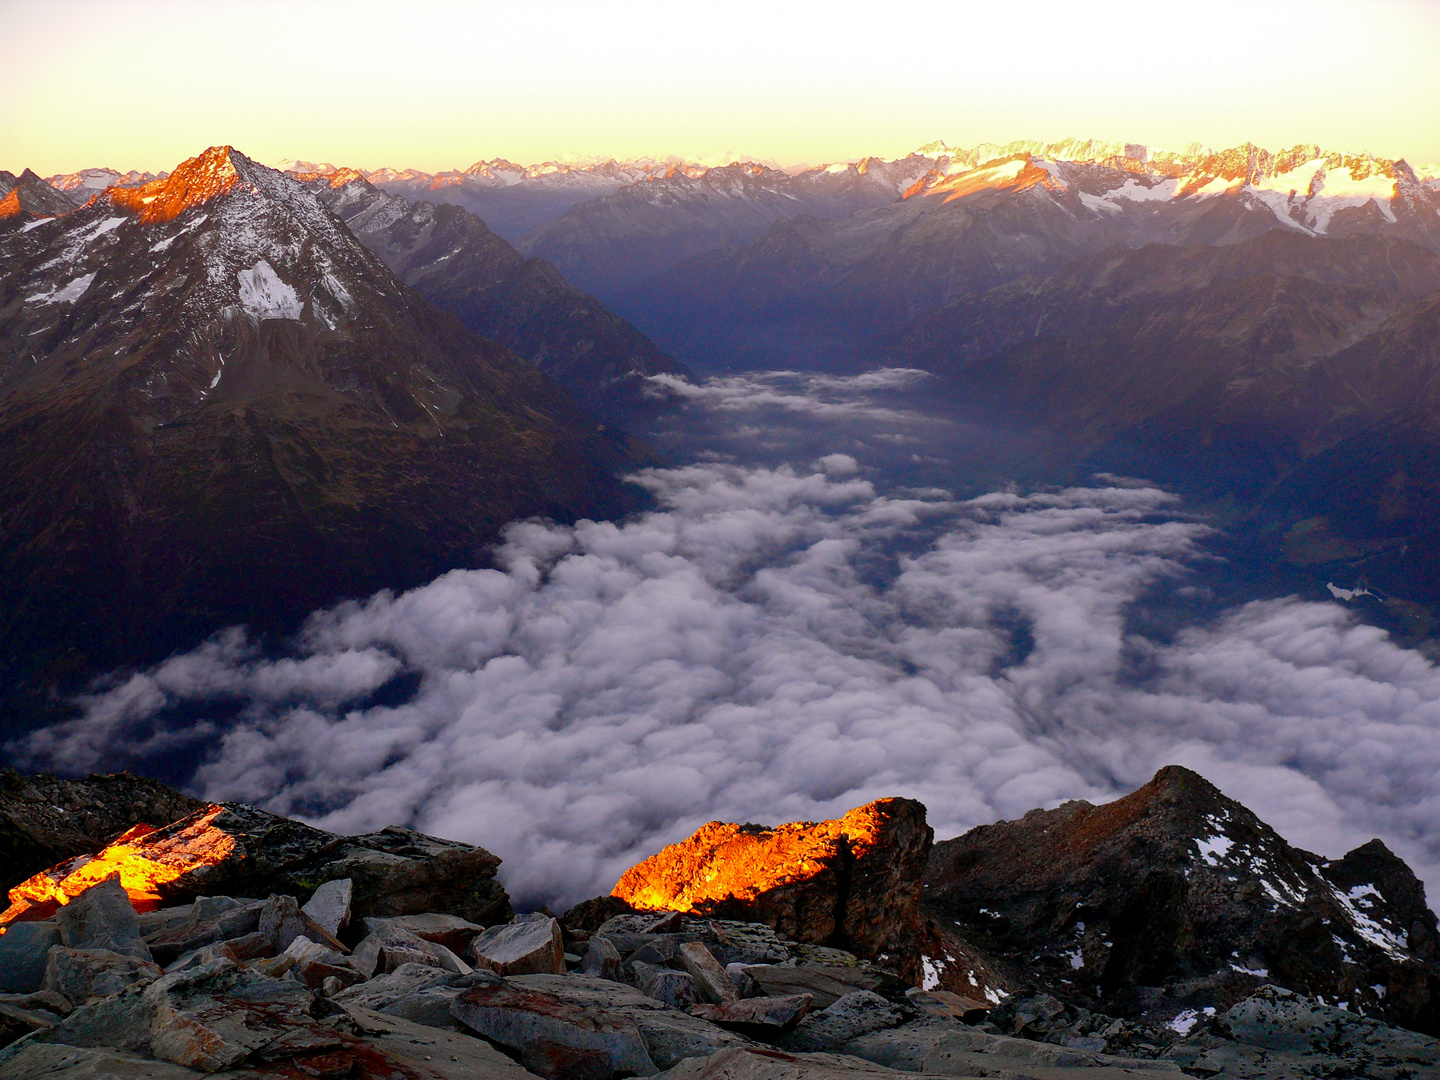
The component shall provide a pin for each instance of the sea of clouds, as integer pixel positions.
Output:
(784, 642)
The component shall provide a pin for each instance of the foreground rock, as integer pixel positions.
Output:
(1177, 898)
(853, 882)
(530, 945)
(553, 1037)
(236, 850)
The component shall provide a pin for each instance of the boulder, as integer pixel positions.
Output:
(46, 820)
(211, 919)
(329, 906)
(23, 954)
(825, 983)
(82, 974)
(121, 1022)
(944, 1004)
(713, 981)
(854, 881)
(590, 915)
(17, 1021)
(675, 989)
(57, 1062)
(102, 917)
(233, 849)
(282, 921)
(531, 944)
(552, 1037)
(314, 963)
(755, 1063)
(451, 931)
(388, 946)
(217, 1015)
(415, 992)
(415, 1051)
(770, 1015)
(855, 1014)
(601, 959)
(670, 1036)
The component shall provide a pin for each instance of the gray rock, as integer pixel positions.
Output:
(749, 943)
(389, 946)
(424, 1052)
(102, 917)
(16, 1021)
(658, 949)
(674, 988)
(775, 1013)
(451, 931)
(82, 974)
(314, 963)
(57, 1062)
(825, 983)
(153, 923)
(904, 1048)
(713, 982)
(282, 921)
(855, 1014)
(531, 944)
(1275, 1019)
(670, 1036)
(753, 1063)
(121, 1022)
(553, 1037)
(217, 1015)
(41, 999)
(601, 959)
(329, 906)
(212, 919)
(23, 954)
(415, 992)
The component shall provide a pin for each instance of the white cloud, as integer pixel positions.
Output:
(775, 645)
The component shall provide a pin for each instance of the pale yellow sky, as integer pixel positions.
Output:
(441, 83)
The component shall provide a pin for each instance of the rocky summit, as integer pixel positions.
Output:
(1168, 932)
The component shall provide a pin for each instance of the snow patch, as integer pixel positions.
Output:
(1214, 848)
(67, 294)
(265, 296)
(1360, 903)
(931, 978)
(1346, 594)
(1259, 973)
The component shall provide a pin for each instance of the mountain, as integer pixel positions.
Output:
(515, 200)
(609, 243)
(218, 406)
(89, 182)
(1176, 897)
(451, 257)
(30, 197)
(965, 228)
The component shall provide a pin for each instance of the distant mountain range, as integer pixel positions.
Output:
(1256, 327)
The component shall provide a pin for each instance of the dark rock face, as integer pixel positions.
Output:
(236, 850)
(45, 819)
(451, 258)
(853, 882)
(1177, 897)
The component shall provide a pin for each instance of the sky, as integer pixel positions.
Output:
(436, 84)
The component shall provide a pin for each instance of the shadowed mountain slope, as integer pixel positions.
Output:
(216, 405)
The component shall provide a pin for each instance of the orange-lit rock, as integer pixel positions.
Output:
(194, 181)
(853, 882)
(144, 868)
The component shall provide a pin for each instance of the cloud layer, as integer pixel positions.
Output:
(776, 644)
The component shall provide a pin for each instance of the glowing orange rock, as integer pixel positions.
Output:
(853, 882)
(143, 868)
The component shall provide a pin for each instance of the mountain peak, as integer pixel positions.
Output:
(195, 181)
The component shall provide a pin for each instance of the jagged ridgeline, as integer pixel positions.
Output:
(1168, 931)
(218, 406)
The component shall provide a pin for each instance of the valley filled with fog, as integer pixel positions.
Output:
(835, 596)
